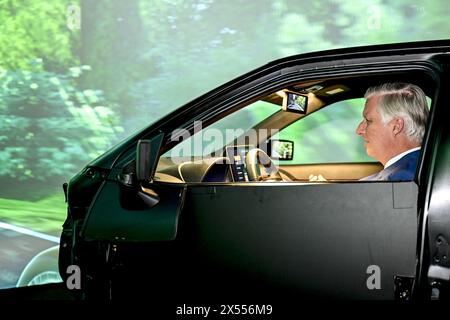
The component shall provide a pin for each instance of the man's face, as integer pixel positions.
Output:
(375, 134)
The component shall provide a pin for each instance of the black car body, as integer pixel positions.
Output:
(146, 227)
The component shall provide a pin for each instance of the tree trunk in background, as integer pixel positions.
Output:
(113, 43)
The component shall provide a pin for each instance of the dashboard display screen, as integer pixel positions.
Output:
(236, 155)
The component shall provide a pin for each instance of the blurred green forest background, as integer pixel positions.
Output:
(78, 76)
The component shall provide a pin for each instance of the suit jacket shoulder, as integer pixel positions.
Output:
(402, 170)
(405, 168)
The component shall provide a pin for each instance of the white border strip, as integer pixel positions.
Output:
(29, 232)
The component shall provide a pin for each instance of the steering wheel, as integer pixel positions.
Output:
(257, 158)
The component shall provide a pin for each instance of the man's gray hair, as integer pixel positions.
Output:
(403, 100)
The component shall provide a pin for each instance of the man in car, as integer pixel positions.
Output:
(395, 116)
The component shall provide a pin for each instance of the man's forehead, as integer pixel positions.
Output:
(370, 105)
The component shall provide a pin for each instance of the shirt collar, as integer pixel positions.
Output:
(399, 156)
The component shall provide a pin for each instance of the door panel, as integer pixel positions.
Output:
(313, 239)
(119, 214)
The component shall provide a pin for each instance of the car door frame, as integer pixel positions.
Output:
(398, 196)
(227, 97)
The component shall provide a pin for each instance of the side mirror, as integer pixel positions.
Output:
(143, 152)
(281, 149)
(146, 157)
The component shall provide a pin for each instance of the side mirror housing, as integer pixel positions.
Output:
(143, 166)
(146, 157)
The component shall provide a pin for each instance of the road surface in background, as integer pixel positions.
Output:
(17, 247)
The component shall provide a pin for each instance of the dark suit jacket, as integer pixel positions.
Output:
(402, 170)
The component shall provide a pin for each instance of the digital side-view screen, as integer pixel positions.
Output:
(236, 155)
(295, 102)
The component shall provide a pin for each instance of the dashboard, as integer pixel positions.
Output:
(229, 168)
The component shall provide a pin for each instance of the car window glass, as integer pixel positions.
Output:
(214, 137)
(328, 135)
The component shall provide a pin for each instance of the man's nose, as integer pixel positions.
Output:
(360, 129)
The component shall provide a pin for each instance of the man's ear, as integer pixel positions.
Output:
(398, 125)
